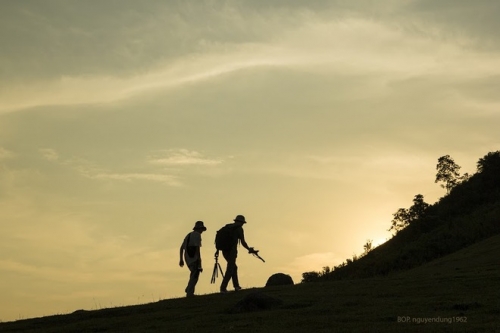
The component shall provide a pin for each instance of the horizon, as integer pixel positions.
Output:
(122, 124)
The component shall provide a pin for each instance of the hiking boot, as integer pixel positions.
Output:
(223, 291)
(237, 288)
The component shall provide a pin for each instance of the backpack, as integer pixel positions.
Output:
(227, 237)
(190, 250)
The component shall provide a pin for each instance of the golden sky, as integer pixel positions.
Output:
(124, 122)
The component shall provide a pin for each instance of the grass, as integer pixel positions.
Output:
(462, 288)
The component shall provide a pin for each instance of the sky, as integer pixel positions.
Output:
(122, 123)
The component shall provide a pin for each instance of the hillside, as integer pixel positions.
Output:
(438, 274)
(469, 213)
(458, 292)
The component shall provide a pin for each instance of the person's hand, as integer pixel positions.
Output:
(181, 263)
(200, 270)
(252, 250)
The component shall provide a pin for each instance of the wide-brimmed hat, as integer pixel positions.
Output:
(199, 225)
(240, 218)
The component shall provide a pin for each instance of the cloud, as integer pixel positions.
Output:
(91, 170)
(371, 165)
(452, 19)
(161, 178)
(49, 154)
(184, 157)
(335, 47)
(108, 38)
(316, 44)
(171, 158)
(98, 89)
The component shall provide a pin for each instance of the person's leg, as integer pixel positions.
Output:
(234, 277)
(231, 265)
(231, 270)
(193, 279)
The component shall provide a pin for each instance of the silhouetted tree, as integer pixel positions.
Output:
(343, 264)
(310, 276)
(313, 276)
(400, 220)
(404, 217)
(490, 162)
(418, 209)
(448, 173)
(368, 246)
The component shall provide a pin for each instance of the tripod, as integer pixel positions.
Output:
(217, 268)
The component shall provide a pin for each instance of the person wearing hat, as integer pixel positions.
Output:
(231, 254)
(190, 250)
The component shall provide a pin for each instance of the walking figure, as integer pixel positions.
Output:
(190, 250)
(227, 240)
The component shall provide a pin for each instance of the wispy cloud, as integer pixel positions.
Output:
(49, 154)
(75, 90)
(168, 158)
(161, 178)
(183, 157)
(344, 166)
(91, 170)
(338, 47)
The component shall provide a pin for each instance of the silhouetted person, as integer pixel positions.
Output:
(190, 247)
(231, 254)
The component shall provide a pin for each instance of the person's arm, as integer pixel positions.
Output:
(200, 267)
(243, 242)
(181, 252)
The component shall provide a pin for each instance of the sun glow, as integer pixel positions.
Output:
(378, 242)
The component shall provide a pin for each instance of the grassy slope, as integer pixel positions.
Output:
(463, 285)
(411, 249)
(468, 214)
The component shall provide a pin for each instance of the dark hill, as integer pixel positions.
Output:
(469, 213)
